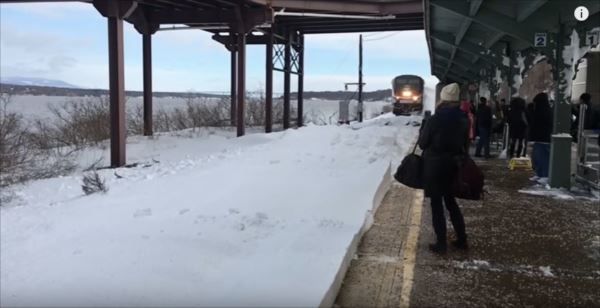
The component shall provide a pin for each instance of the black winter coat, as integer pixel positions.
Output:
(517, 122)
(443, 140)
(484, 116)
(540, 128)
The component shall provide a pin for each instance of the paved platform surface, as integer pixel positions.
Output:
(374, 278)
(526, 250)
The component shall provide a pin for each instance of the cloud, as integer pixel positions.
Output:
(49, 10)
(67, 41)
(409, 45)
(37, 52)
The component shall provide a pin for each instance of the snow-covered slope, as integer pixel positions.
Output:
(259, 220)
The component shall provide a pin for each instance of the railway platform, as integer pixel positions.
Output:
(525, 250)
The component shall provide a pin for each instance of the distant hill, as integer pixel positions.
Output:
(32, 81)
(16, 89)
(378, 95)
(63, 91)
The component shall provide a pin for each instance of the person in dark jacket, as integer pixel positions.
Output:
(444, 140)
(529, 118)
(484, 127)
(517, 124)
(540, 133)
(592, 114)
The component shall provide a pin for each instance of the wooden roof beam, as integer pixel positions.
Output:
(339, 6)
(252, 16)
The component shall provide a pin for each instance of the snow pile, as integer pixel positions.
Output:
(497, 76)
(546, 271)
(518, 77)
(560, 193)
(571, 55)
(205, 219)
(472, 264)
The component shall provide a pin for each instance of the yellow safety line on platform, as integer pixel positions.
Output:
(410, 249)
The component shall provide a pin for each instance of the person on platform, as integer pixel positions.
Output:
(444, 140)
(484, 127)
(540, 132)
(517, 126)
(465, 106)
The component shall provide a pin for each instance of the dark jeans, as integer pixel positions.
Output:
(511, 148)
(439, 220)
(484, 141)
(541, 159)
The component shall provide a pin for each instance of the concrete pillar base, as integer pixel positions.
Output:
(560, 161)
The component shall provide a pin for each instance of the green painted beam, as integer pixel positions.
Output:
(457, 77)
(467, 47)
(490, 42)
(474, 6)
(446, 57)
(464, 66)
(454, 74)
(464, 27)
(458, 68)
(526, 8)
(461, 62)
(490, 19)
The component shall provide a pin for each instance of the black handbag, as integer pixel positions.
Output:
(410, 171)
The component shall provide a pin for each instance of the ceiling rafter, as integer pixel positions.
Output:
(491, 20)
(526, 8)
(464, 27)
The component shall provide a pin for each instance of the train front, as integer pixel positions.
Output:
(408, 94)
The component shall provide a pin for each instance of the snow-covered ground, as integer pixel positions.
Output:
(205, 219)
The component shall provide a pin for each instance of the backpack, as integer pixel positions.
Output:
(469, 180)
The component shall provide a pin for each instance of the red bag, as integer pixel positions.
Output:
(469, 180)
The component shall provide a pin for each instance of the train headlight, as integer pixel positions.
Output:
(415, 98)
(407, 93)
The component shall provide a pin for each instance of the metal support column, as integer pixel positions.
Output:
(147, 59)
(287, 67)
(233, 82)
(509, 73)
(560, 151)
(269, 83)
(241, 83)
(360, 79)
(117, 91)
(301, 81)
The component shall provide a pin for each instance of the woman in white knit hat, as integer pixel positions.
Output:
(443, 139)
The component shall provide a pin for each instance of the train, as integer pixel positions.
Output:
(407, 91)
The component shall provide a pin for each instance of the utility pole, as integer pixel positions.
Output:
(360, 79)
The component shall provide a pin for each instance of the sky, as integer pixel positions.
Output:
(68, 42)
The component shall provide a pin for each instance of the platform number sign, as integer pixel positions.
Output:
(540, 40)
(591, 38)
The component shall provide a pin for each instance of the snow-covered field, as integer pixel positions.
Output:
(205, 219)
(316, 110)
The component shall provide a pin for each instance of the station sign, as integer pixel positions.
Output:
(592, 38)
(540, 39)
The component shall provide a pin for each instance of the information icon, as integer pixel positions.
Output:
(581, 13)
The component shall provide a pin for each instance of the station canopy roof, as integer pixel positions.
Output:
(306, 16)
(465, 36)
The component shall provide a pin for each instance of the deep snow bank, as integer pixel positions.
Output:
(259, 220)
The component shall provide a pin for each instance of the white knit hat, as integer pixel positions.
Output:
(450, 93)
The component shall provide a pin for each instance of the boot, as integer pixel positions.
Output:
(461, 244)
(439, 248)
